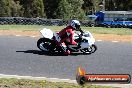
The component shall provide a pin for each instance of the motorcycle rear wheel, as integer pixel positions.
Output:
(44, 44)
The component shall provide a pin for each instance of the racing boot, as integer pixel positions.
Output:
(64, 49)
(67, 52)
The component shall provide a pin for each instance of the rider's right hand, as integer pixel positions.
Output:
(80, 36)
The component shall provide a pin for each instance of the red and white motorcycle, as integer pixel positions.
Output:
(85, 40)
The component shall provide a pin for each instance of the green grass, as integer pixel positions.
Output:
(25, 83)
(29, 27)
(103, 30)
(97, 30)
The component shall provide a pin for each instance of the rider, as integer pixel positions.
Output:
(67, 33)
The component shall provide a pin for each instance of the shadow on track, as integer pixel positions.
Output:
(50, 54)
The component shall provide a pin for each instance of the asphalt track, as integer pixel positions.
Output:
(19, 55)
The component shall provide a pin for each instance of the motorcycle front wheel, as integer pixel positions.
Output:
(90, 49)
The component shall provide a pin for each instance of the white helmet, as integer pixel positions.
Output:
(75, 24)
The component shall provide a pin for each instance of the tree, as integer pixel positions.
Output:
(88, 7)
(15, 8)
(96, 5)
(124, 5)
(33, 8)
(38, 8)
(63, 10)
(130, 5)
(10, 8)
(5, 9)
(75, 10)
(51, 8)
(91, 6)
(110, 5)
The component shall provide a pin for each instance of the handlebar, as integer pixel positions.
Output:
(81, 31)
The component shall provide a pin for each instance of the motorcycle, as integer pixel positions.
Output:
(85, 40)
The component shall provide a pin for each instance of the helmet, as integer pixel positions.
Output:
(75, 24)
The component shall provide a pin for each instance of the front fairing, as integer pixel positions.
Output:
(86, 37)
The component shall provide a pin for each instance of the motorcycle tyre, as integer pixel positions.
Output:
(43, 40)
(87, 51)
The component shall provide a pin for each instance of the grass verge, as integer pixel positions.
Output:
(97, 30)
(26, 83)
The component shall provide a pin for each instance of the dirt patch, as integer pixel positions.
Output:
(23, 33)
(113, 37)
(106, 37)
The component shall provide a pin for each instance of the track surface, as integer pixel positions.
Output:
(20, 56)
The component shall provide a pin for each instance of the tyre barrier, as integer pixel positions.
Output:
(37, 21)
